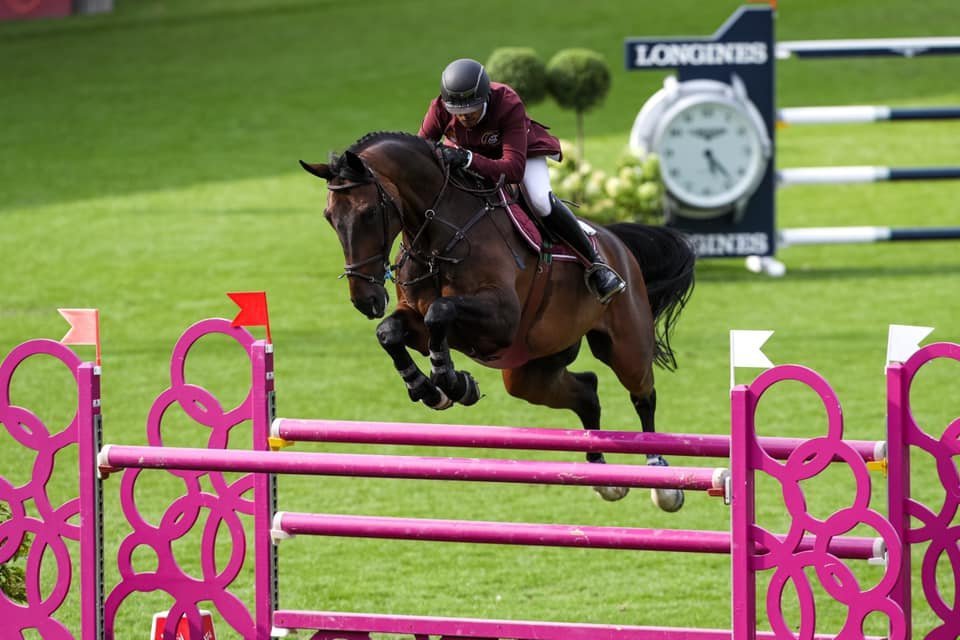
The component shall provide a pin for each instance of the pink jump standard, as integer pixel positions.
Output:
(813, 549)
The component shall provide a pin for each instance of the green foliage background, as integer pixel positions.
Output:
(148, 164)
(522, 69)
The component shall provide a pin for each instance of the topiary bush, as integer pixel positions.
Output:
(522, 69)
(578, 79)
(12, 577)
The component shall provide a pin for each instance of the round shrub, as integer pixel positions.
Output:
(522, 69)
(578, 79)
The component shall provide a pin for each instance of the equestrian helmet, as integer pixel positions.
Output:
(464, 86)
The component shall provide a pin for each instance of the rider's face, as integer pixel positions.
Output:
(471, 118)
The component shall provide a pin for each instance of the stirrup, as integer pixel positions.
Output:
(597, 267)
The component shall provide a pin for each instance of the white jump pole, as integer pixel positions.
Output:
(863, 113)
(906, 47)
(853, 174)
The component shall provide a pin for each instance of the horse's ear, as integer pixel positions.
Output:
(355, 163)
(319, 170)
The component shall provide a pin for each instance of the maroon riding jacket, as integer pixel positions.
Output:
(501, 142)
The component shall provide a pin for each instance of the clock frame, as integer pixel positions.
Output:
(713, 146)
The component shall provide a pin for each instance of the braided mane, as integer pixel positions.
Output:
(375, 137)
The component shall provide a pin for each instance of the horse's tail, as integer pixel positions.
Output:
(667, 260)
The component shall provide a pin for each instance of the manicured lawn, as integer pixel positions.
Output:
(148, 164)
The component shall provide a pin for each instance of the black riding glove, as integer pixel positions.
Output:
(455, 157)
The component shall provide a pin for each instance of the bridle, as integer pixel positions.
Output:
(383, 200)
(431, 259)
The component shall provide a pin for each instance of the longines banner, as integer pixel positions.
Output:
(744, 46)
(22, 9)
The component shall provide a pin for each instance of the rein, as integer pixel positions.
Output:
(432, 260)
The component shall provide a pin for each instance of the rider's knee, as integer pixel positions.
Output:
(539, 202)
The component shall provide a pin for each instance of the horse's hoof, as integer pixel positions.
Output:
(430, 395)
(442, 403)
(612, 494)
(669, 500)
(471, 393)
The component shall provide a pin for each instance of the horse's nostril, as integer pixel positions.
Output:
(371, 306)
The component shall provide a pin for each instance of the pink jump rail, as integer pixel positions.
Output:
(115, 457)
(357, 626)
(286, 524)
(450, 435)
(191, 464)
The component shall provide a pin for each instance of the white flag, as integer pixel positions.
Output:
(745, 350)
(903, 340)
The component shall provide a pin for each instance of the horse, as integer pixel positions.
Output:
(467, 281)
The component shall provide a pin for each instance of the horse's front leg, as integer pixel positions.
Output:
(460, 386)
(393, 333)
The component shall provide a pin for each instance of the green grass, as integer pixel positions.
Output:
(148, 165)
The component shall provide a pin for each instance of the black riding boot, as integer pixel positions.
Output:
(603, 280)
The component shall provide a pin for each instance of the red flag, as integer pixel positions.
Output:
(253, 310)
(84, 327)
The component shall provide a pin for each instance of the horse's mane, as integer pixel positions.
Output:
(375, 137)
(342, 166)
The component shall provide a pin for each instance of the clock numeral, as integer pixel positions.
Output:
(741, 131)
(674, 173)
(676, 132)
(708, 111)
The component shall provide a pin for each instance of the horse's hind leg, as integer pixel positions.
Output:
(636, 374)
(547, 382)
(646, 407)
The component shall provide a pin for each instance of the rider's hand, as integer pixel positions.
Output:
(456, 158)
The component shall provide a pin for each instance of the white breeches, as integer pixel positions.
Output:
(536, 185)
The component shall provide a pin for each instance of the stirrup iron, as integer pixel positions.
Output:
(600, 266)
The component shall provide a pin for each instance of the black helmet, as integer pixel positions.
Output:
(464, 86)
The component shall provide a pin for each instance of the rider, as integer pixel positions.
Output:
(494, 135)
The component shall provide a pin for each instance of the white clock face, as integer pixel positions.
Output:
(710, 154)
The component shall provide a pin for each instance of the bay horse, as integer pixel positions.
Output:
(466, 280)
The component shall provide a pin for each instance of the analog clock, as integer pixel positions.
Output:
(712, 143)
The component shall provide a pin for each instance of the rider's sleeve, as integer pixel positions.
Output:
(432, 127)
(513, 159)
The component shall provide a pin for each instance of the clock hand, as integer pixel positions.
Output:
(714, 165)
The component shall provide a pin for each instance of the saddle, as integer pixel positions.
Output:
(548, 249)
(533, 231)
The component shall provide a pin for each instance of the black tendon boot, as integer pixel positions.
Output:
(601, 279)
